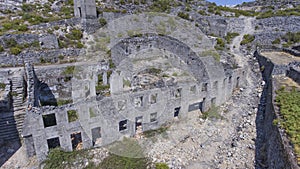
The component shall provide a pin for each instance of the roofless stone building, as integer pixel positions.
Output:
(137, 73)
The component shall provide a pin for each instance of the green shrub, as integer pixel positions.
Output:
(230, 36)
(7, 26)
(220, 44)
(22, 28)
(161, 5)
(63, 102)
(202, 12)
(161, 166)
(2, 85)
(102, 21)
(276, 41)
(183, 15)
(69, 70)
(1, 49)
(28, 7)
(247, 39)
(79, 45)
(10, 42)
(72, 115)
(75, 34)
(291, 37)
(15, 50)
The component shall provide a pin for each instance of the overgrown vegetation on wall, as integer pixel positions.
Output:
(289, 103)
(14, 48)
(285, 12)
(33, 14)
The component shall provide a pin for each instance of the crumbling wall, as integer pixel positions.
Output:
(37, 57)
(276, 151)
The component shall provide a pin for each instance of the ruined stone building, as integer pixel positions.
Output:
(137, 81)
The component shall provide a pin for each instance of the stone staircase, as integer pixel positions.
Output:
(11, 123)
(11, 126)
(17, 93)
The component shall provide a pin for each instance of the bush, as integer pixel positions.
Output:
(15, 50)
(183, 15)
(22, 28)
(230, 36)
(161, 5)
(63, 102)
(276, 41)
(72, 115)
(75, 34)
(202, 12)
(69, 70)
(7, 26)
(2, 85)
(291, 37)
(10, 42)
(1, 49)
(102, 21)
(220, 44)
(161, 166)
(247, 39)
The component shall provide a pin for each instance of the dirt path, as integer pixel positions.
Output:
(235, 45)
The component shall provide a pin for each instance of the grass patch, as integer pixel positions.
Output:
(212, 53)
(212, 113)
(69, 70)
(63, 102)
(289, 103)
(72, 115)
(152, 133)
(119, 162)
(161, 166)
(57, 158)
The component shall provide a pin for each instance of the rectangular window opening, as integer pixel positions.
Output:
(176, 111)
(153, 98)
(138, 101)
(139, 125)
(72, 115)
(76, 141)
(49, 120)
(177, 93)
(204, 87)
(122, 125)
(53, 143)
(96, 136)
(153, 117)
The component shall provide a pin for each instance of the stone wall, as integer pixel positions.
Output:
(276, 151)
(38, 57)
(281, 24)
